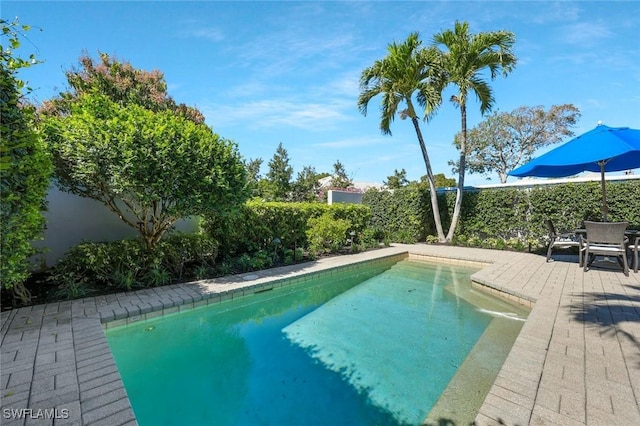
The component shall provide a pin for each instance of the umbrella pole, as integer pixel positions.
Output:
(604, 209)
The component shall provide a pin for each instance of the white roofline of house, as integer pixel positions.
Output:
(591, 177)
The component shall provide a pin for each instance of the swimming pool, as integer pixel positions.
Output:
(377, 344)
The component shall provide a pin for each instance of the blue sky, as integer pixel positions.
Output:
(269, 72)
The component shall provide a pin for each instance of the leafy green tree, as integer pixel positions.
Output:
(441, 181)
(279, 175)
(444, 182)
(253, 176)
(306, 186)
(25, 168)
(409, 75)
(397, 180)
(150, 168)
(504, 140)
(339, 177)
(122, 83)
(464, 57)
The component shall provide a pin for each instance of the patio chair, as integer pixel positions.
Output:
(560, 240)
(605, 239)
(635, 248)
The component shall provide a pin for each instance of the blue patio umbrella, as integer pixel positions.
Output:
(603, 149)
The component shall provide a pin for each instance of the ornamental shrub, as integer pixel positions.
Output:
(327, 234)
(126, 264)
(149, 168)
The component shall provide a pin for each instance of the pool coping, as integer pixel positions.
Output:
(567, 366)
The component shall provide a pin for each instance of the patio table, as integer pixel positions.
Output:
(629, 232)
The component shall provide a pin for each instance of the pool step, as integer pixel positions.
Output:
(448, 277)
(463, 397)
(420, 272)
(489, 303)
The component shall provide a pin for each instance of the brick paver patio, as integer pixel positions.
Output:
(576, 360)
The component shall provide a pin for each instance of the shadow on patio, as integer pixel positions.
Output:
(609, 310)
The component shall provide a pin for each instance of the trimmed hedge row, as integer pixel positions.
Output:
(402, 215)
(256, 224)
(502, 213)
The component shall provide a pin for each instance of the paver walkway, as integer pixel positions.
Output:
(576, 360)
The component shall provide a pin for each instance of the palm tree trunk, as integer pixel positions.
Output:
(461, 172)
(431, 180)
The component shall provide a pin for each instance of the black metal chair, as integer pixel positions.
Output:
(560, 240)
(605, 239)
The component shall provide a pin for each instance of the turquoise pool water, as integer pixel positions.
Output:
(376, 345)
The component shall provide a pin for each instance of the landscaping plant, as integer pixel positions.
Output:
(25, 168)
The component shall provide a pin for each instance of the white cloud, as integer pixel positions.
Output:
(250, 89)
(595, 103)
(287, 52)
(347, 85)
(269, 113)
(213, 34)
(553, 12)
(586, 33)
(353, 142)
(195, 28)
(264, 103)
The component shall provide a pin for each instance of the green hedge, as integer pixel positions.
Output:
(494, 213)
(255, 225)
(402, 215)
(502, 214)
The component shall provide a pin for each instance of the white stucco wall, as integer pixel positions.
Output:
(72, 219)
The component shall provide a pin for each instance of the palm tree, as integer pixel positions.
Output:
(464, 58)
(406, 71)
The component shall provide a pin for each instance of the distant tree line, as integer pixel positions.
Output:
(399, 180)
(278, 183)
